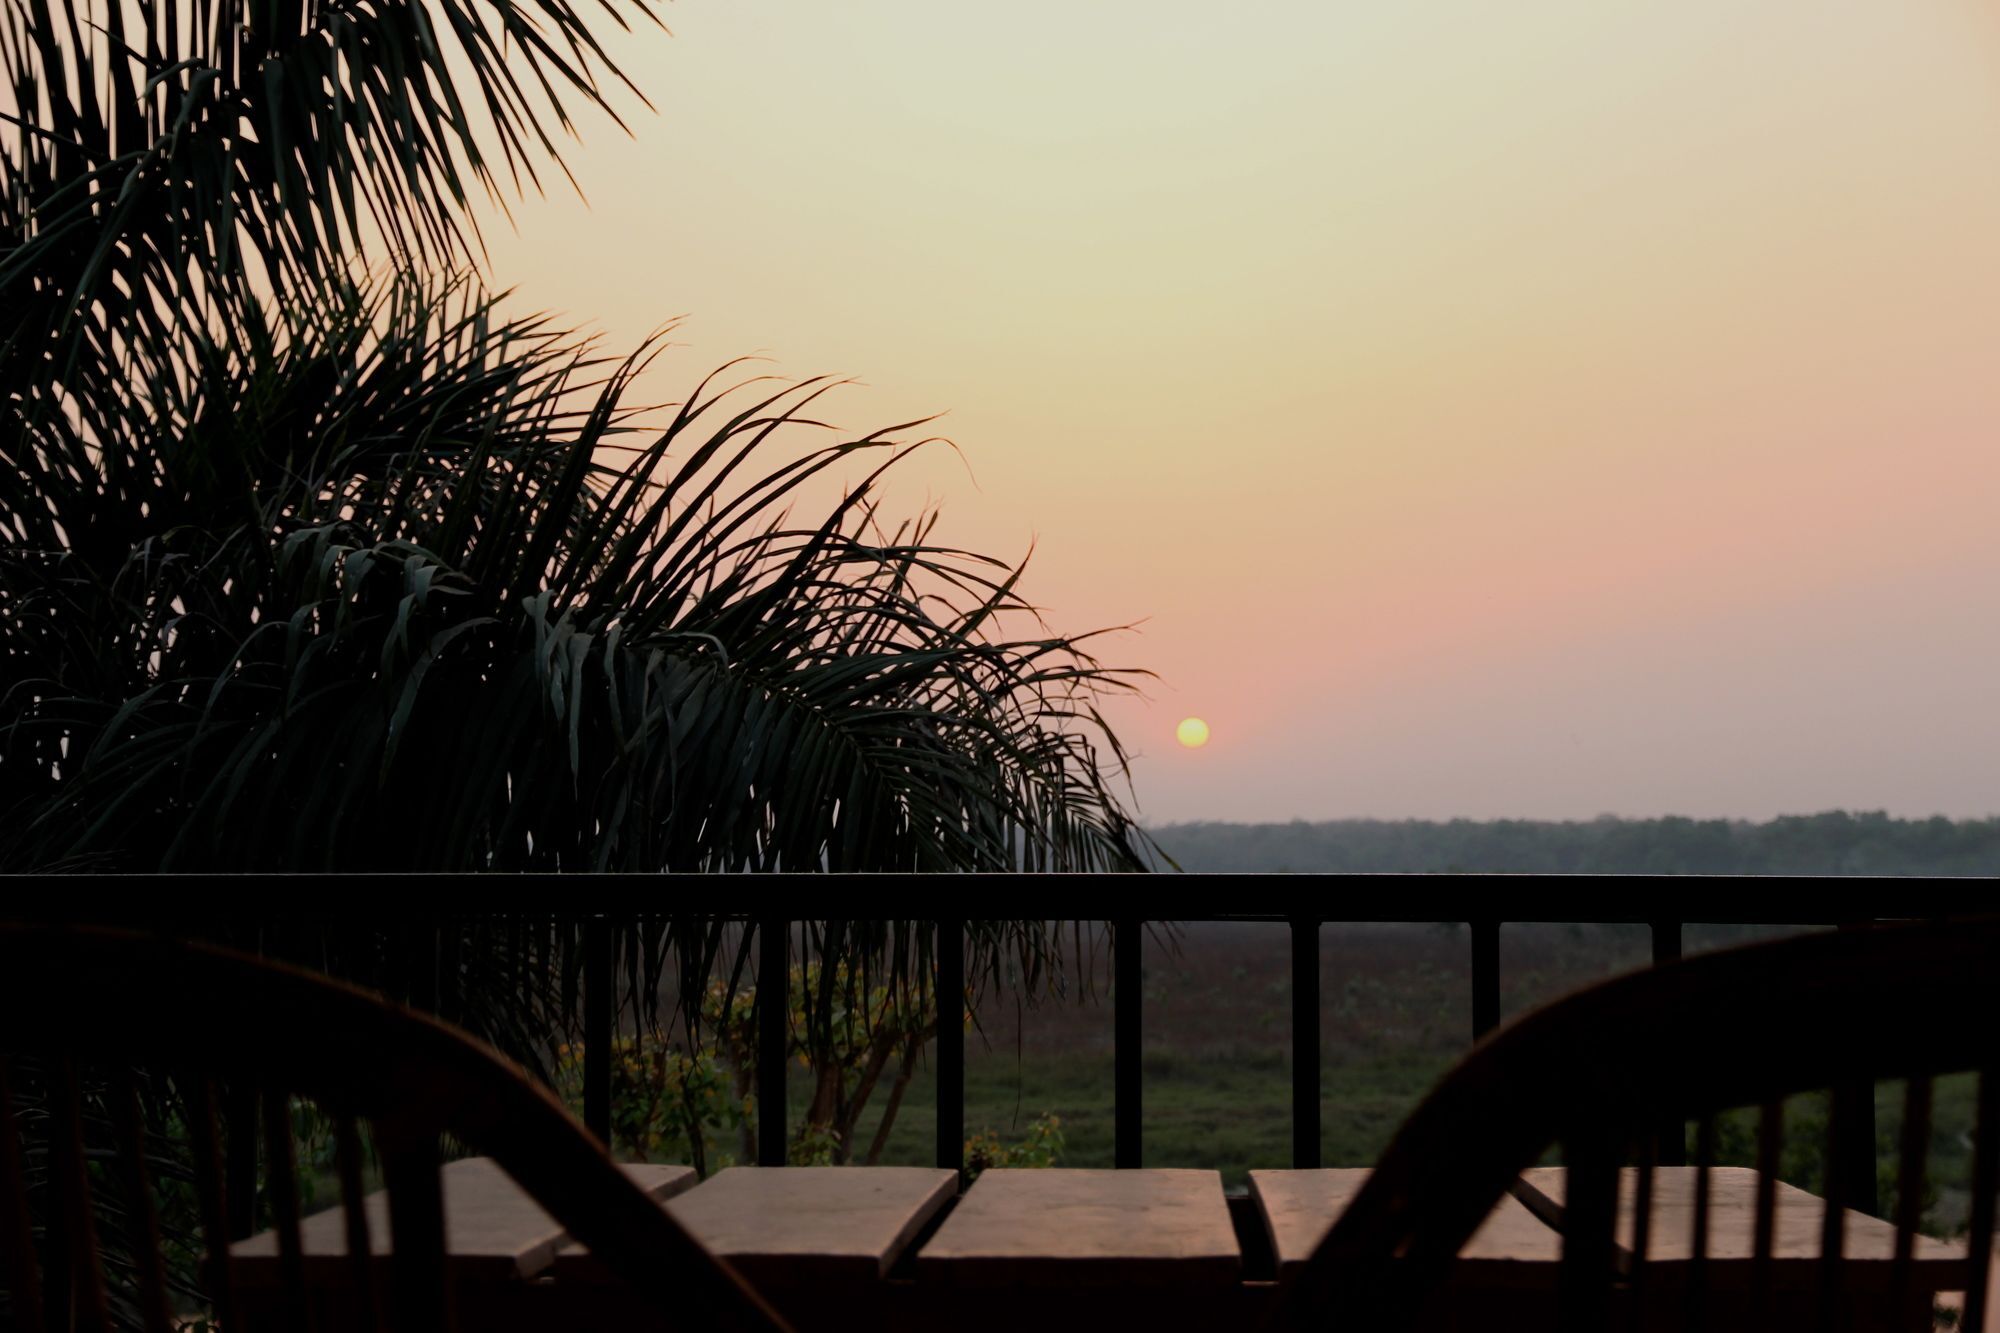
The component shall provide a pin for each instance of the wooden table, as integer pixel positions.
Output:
(1512, 1249)
(802, 1225)
(1059, 1248)
(1868, 1248)
(1056, 1227)
(1869, 1243)
(496, 1240)
(812, 1239)
(493, 1231)
(897, 1248)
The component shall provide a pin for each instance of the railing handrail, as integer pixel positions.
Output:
(1275, 897)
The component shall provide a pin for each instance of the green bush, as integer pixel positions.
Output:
(667, 1105)
(1043, 1146)
(670, 1105)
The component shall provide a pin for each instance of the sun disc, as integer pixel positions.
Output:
(1192, 732)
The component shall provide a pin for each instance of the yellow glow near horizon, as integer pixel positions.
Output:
(1192, 732)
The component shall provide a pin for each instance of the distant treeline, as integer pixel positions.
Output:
(1836, 843)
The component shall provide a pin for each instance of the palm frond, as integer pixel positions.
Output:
(157, 152)
(389, 580)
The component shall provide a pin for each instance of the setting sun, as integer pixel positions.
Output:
(1192, 732)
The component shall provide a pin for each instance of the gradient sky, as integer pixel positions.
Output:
(1545, 409)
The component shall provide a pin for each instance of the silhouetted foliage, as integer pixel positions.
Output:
(1833, 843)
(314, 558)
(306, 565)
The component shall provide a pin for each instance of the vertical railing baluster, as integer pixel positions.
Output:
(240, 1171)
(1840, 1196)
(282, 1193)
(1985, 1178)
(17, 1251)
(396, 963)
(1695, 1311)
(598, 1005)
(142, 1222)
(1305, 1044)
(349, 1163)
(1485, 977)
(419, 1295)
(450, 966)
(1672, 1132)
(1910, 1164)
(1857, 1142)
(74, 1282)
(1128, 1004)
(1642, 1235)
(205, 1160)
(424, 966)
(1764, 1226)
(1589, 1233)
(950, 946)
(773, 999)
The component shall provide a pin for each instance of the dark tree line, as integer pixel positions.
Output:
(1833, 843)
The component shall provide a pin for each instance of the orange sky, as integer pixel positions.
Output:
(1542, 409)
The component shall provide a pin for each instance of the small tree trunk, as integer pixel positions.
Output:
(746, 1133)
(824, 1111)
(864, 1088)
(691, 1117)
(903, 1073)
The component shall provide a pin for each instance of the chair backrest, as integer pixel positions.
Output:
(1605, 1073)
(107, 1036)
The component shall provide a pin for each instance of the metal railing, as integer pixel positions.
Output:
(1305, 903)
(1128, 1020)
(1726, 899)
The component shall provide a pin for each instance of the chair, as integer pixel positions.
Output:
(96, 1019)
(1600, 1072)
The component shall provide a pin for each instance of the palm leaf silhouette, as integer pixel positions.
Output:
(314, 557)
(416, 589)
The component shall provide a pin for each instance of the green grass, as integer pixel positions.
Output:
(1393, 1020)
(1235, 1115)
(1227, 1114)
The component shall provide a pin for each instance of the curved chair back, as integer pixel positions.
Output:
(1598, 1073)
(104, 1035)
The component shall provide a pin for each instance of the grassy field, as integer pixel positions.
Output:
(1217, 1063)
(1395, 1015)
(1206, 1112)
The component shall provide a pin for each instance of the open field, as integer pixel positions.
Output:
(1218, 1068)
(1395, 1015)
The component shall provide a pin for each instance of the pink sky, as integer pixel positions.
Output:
(1547, 409)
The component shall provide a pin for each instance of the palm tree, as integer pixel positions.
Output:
(312, 556)
(316, 565)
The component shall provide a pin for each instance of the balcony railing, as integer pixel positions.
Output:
(601, 906)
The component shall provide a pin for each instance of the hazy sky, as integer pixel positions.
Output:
(1541, 409)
